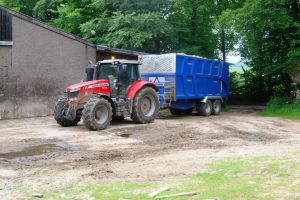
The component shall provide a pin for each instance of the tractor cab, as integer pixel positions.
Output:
(121, 74)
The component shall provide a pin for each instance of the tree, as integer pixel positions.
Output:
(138, 25)
(224, 33)
(269, 31)
(23, 6)
(201, 30)
(193, 27)
(42, 10)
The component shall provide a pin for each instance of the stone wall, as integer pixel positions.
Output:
(37, 68)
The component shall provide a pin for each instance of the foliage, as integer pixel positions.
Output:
(285, 107)
(268, 31)
(68, 14)
(23, 6)
(120, 30)
(201, 31)
(242, 91)
(42, 9)
(138, 25)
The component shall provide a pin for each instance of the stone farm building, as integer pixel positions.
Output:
(38, 61)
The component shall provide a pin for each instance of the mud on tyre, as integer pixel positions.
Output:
(58, 114)
(97, 114)
(145, 106)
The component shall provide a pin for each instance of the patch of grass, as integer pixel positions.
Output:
(163, 111)
(225, 109)
(262, 177)
(278, 107)
(237, 69)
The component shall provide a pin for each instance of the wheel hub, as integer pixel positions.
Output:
(146, 105)
(101, 114)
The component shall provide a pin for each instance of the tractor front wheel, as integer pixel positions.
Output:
(59, 112)
(145, 106)
(97, 114)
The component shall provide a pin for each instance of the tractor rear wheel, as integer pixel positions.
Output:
(145, 106)
(97, 114)
(204, 109)
(58, 114)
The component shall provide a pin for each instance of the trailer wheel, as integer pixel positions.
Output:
(58, 114)
(204, 109)
(216, 107)
(97, 114)
(145, 106)
(175, 111)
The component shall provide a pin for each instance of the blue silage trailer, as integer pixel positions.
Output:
(187, 83)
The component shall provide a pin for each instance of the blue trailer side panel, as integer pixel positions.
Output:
(199, 77)
(183, 79)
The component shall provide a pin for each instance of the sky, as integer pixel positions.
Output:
(233, 59)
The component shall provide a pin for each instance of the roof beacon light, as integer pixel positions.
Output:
(140, 58)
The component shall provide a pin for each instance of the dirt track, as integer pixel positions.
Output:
(39, 155)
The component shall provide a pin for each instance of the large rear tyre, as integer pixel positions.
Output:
(97, 114)
(204, 109)
(58, 114)
(145, 106)
(216, 107)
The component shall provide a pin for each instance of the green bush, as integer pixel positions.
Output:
(282, 107)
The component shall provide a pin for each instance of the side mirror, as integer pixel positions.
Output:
(89, 73)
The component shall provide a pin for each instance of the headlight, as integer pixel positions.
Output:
(75, 90)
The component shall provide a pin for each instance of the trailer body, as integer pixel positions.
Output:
(184, 81)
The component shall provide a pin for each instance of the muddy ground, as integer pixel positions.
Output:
(37, 155)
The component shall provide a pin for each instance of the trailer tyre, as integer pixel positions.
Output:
(216, 107)
(204, 109)
(97, 114)
(58, 114)
(145, 106)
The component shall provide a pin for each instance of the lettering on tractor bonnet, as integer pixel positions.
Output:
(99, 85)
(157, 79)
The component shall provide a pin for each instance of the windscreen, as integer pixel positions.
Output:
(106, 70)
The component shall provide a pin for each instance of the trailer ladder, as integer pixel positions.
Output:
(168, 93)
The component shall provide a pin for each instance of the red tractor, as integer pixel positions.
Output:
(113, 90)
